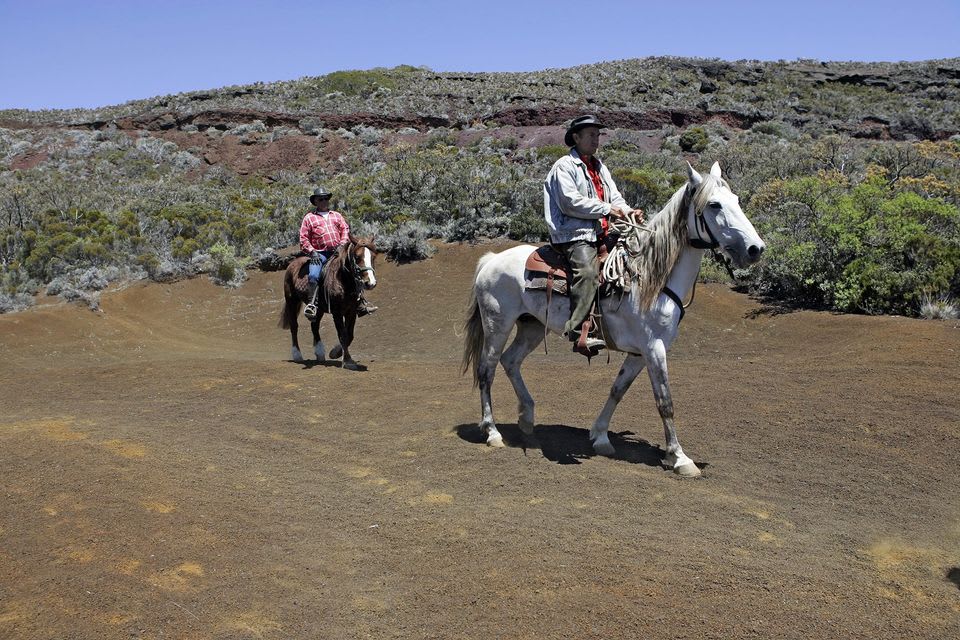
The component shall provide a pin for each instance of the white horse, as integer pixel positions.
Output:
(665, 261)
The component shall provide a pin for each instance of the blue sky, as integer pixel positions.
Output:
(88, 53)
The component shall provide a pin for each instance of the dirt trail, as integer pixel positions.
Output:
(167, 472)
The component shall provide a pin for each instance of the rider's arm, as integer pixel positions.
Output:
(344, 230)
(305, 228)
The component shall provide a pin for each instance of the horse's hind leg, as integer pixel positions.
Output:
(529, 335)
(493, 342)
(291, 309)
(632, 366)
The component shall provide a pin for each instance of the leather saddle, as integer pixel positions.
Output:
(546, 268)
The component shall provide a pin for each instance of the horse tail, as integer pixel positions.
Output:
(473, 326)
(285, 314)
(291, 304)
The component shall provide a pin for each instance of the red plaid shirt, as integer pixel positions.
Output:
(323, 231)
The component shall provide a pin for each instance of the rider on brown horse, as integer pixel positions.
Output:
(321, 232)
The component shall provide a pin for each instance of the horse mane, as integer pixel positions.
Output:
(653, 249)
(332, 280)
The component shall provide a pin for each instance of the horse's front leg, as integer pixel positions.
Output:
(675, 458)
(318, 349)
(345, 336)
(632, 366)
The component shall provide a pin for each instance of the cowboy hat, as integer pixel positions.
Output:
(320, 192)
(580, 123)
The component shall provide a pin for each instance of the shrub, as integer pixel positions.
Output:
(694, 140)
(224, 267)
(940, 308)
(407, 243)
(646, 187)
(856, 247)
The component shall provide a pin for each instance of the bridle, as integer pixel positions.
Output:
(699, 222)
(354, 267)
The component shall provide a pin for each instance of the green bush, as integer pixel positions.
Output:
(553, 151)
(357, 83)
(225, 268)
(694, 140)
(862, 247)
(646, 187)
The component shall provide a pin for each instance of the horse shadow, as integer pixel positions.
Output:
(310, 364)
(570, 445)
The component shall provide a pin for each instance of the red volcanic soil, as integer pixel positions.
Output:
(168, 472)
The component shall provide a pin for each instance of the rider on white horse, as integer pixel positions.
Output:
(579, 195)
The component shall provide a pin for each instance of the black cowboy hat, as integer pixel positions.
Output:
(580, 123)
(320, 192)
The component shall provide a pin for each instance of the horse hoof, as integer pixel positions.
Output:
(495, 441)
(351, 366)
(688, 470)
(526, 427)
(336, 352)
(604, 448)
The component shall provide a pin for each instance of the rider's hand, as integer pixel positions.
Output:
(638, 213)
(617, 212)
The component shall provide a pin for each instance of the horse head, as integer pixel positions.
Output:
(363, 253)
(716, 221)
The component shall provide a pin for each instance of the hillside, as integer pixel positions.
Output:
(151, 187)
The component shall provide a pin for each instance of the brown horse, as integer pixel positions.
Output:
(347, 273)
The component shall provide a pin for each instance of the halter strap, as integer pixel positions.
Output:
(670, 293)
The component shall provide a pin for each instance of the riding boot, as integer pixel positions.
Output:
(310, 311)
(582, 256)
(365, 308)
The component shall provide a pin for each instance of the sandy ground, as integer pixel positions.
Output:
(168, 472)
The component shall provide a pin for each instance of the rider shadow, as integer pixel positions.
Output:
(568, 445)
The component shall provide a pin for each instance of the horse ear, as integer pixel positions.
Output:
(715, 170)
(693, 177)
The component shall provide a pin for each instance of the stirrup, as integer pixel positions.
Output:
(589, 347)
(310, 312)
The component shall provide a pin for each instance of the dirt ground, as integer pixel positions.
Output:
(168, 472)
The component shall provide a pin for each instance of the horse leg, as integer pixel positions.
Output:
(675, 458)
(632, 366)
(493, 343)
(342, 349)
(291, 309)
(318, 348)
(349, 323)
(529, 335)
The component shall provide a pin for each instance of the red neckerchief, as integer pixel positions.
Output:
(594, 174)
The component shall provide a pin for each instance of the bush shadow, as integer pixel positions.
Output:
(953, 575)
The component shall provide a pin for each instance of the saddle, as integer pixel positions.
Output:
(547, 269)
